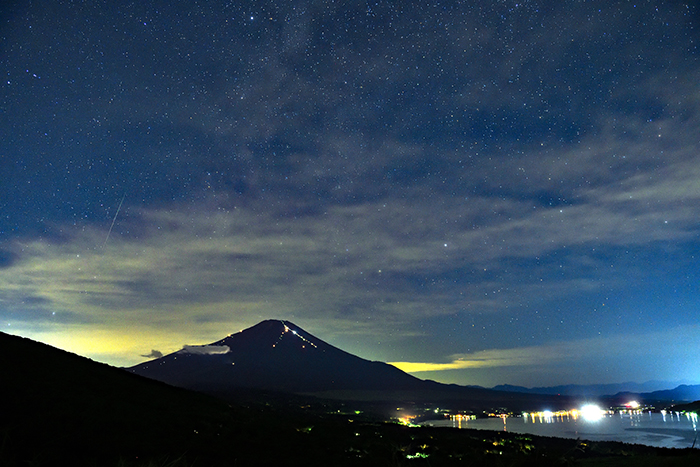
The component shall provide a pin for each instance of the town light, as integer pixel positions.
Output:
(592, 412)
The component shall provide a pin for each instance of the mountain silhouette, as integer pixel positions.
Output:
(274, 355)
(277, 355)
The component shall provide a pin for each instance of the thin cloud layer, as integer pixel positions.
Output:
(574, 358)
(206, 349)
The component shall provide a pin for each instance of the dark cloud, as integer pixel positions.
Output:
(153, 354)
(6, 258)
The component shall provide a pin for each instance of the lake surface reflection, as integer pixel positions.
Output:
(670, 430)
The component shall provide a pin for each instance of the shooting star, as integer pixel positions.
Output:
(113, 221)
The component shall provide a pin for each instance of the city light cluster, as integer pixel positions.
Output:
(460, 417)
(692, 416)
(592, 412)
(407, 420)
(589, 412)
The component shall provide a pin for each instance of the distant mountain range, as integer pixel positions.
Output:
(654, 389)
(682, 393)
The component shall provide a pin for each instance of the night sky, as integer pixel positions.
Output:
(495, 192)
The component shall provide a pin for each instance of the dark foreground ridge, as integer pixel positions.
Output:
(63, 409)
(276, 355)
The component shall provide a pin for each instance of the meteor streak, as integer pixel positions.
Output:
(113, 221)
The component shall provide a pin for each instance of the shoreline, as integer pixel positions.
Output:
(652, 436)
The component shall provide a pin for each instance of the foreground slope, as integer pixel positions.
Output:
(277, 355)
(58, 405)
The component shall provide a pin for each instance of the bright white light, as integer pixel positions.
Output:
(592, 412)
(548, 416)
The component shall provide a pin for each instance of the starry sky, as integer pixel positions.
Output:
(479, 192)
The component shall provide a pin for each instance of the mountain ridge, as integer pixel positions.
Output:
(294, 361)
(598, 390)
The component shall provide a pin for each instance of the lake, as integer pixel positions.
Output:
(670, 430)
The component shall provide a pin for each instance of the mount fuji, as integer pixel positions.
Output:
(274, 355)
(277, 355)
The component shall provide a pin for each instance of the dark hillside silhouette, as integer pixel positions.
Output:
(59, 408)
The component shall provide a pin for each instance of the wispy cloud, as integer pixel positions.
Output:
(577, 357)
(394, 257)
(206, 349)
(522, 356)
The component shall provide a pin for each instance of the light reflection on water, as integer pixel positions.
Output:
(670, 430)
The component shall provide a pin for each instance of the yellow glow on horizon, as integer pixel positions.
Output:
(115, 347)
(414, 367)
(484, 359)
